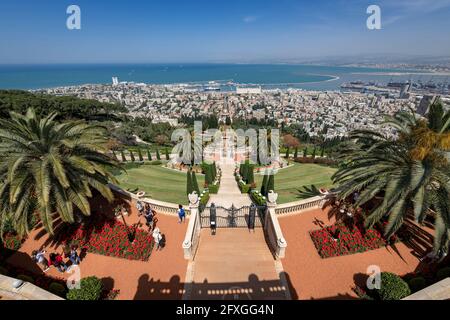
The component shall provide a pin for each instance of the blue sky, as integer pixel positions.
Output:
(34, 31)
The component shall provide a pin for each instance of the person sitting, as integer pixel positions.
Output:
(39, 257)
(57, 260)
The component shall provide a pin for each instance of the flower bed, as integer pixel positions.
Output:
(350, 239)
(109, 238)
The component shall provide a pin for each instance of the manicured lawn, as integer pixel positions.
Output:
(158, 182)
(288, 181)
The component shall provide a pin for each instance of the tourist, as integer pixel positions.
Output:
(74, 257)
(158, 238)
(140, 208)
(57, 260)
(148, 215)
(39, 257)
(181, 214)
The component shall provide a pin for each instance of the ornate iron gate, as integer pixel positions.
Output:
(244, 217)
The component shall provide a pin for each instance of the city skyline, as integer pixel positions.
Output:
(219, 32)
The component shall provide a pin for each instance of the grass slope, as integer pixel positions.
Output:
(289, 180)
(158, 182)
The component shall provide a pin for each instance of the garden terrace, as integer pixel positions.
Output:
(290, 180)
(131, 277)
(168, 185)
(313, 277)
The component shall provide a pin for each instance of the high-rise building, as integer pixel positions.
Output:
(404, 93)
(115, 81)
(425, 103)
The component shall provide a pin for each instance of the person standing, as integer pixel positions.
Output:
(148, 215)
(74, 257)
(140, 208)
(39, 257)
(158, 238)
(181, 214)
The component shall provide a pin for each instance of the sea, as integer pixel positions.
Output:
(228, 76)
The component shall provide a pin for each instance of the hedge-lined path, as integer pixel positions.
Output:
(229, 192)
(162, 277)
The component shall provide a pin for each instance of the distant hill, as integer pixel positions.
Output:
(67, 107)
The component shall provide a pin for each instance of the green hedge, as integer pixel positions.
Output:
(204, 199)
(90, 289)
(25, 278)
(258, 198)
(57, 289)
(245, 188)
(393, 287)
(3, 271)
(443, 273)
(214, 189)
(417, 284)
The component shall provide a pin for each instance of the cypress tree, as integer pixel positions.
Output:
(271, 183)
(149, 155)
(314, 153)
(251, 177)
(189, 186)
(322, 153)
(245, 172)
(296, 153)
(158, 156)
(214, 171)
(195, 183)
(287, 152)
(141, 158)
(167, 154)
(264, 185)
(208, 175)
(132, 156)
(305, 152)
(124, 159)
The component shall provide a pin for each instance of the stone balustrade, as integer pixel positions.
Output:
(159, 206)
(192, 237)
(300, 206)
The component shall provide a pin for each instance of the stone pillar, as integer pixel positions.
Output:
(273, 227)
(194, 226)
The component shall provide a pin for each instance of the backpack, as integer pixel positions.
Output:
(182, 213)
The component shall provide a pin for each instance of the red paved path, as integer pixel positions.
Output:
(162, 277)
(315, 278)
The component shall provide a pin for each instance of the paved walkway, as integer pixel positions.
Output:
(312, 277)
(162, 277)
(235, 263)
(229, 192)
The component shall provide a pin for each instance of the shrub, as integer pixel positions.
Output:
(245, 188)
(25, 278)
(204, 199)
(417, 284)
(156, 163)
(3, 271)
(90, 289)
(443, 273)
(58, 289)
(214, 189)
(393, 287)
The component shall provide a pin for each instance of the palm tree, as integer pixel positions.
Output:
(48, 168)
(410, 171)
